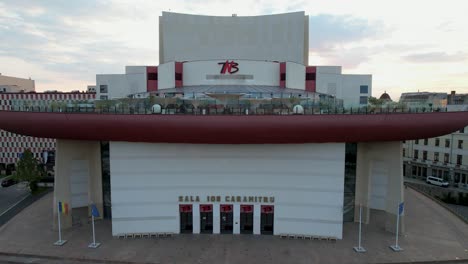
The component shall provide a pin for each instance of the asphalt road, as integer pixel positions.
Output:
(11, 195)
(451, 188)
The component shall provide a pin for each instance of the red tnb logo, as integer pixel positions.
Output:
(229, 66)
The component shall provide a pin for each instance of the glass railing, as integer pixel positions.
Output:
(216, 109)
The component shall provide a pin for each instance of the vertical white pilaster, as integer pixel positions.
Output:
(236, 212)
(256, 221)
(196, 218)
(216, 219)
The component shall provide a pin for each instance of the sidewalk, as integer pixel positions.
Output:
(433, 234)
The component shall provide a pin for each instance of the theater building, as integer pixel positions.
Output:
(266, 174)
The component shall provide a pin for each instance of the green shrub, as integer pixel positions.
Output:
(33, 186)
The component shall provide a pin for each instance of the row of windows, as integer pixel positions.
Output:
(435, 156)
(17, 155)
(437, 143)
(444, 174)
(28, 144)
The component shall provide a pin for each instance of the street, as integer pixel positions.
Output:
(9, 196)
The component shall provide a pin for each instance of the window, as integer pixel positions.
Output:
(103, 97)
(178, 76)
(447, 143)
(436, 156)
(310, 76)
(459, 159)
(457, 177)
(462, 130)
(426, 141)
(460, 144)
(103, 88)
(363, 100)
(437, 142)
(424, 155)
(364, 89)
(283, 77)
(153, 76)
(446, 158)
(446, 175)
(416, 141)
(404, 152)
(416, 154)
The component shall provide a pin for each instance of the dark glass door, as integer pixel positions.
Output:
(267, 220)
(186, 219)
(226, 218)
(246, 219)
(206, 218)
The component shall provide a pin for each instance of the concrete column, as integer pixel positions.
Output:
(386, 157)
(236, 216)
(68, 151)
(392, 152)
(216, 219)
(62, 191)
(196, 218)
(257, 219)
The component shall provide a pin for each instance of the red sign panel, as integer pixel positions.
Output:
(185, 208)
(244, 208)
(226, 208)
(268, 209)
(206, 208)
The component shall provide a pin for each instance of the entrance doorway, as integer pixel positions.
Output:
(246, 219)
(266, 220)
(186, 219)
(226, 217)
(206, 218)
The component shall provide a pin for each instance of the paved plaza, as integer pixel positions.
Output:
(432, 234)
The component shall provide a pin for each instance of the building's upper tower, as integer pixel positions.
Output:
(281, 37)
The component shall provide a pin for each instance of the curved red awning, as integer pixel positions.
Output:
(228, 129)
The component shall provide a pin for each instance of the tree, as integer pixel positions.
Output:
(28, 169)
(376, 102)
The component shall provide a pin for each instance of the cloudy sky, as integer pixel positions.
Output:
(408, 45)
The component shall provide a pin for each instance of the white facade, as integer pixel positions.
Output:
(166, 75)
(281, 37)
(295, 76)
(250, 73)
(114, 86)
(331, 81)
(306, 182)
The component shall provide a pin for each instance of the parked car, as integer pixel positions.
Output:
(437, 181)
(8, 182)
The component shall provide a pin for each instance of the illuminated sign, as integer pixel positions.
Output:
(229, 66)
(227, 198)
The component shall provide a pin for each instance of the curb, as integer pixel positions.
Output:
(90, 260)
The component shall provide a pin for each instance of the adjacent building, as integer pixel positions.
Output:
(10, 84)
(445, 156)
(13, 145)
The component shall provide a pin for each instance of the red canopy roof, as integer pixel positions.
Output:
(230, 129)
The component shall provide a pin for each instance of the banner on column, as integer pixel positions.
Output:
(63, 207)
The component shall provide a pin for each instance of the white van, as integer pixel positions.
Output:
(437, 181)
